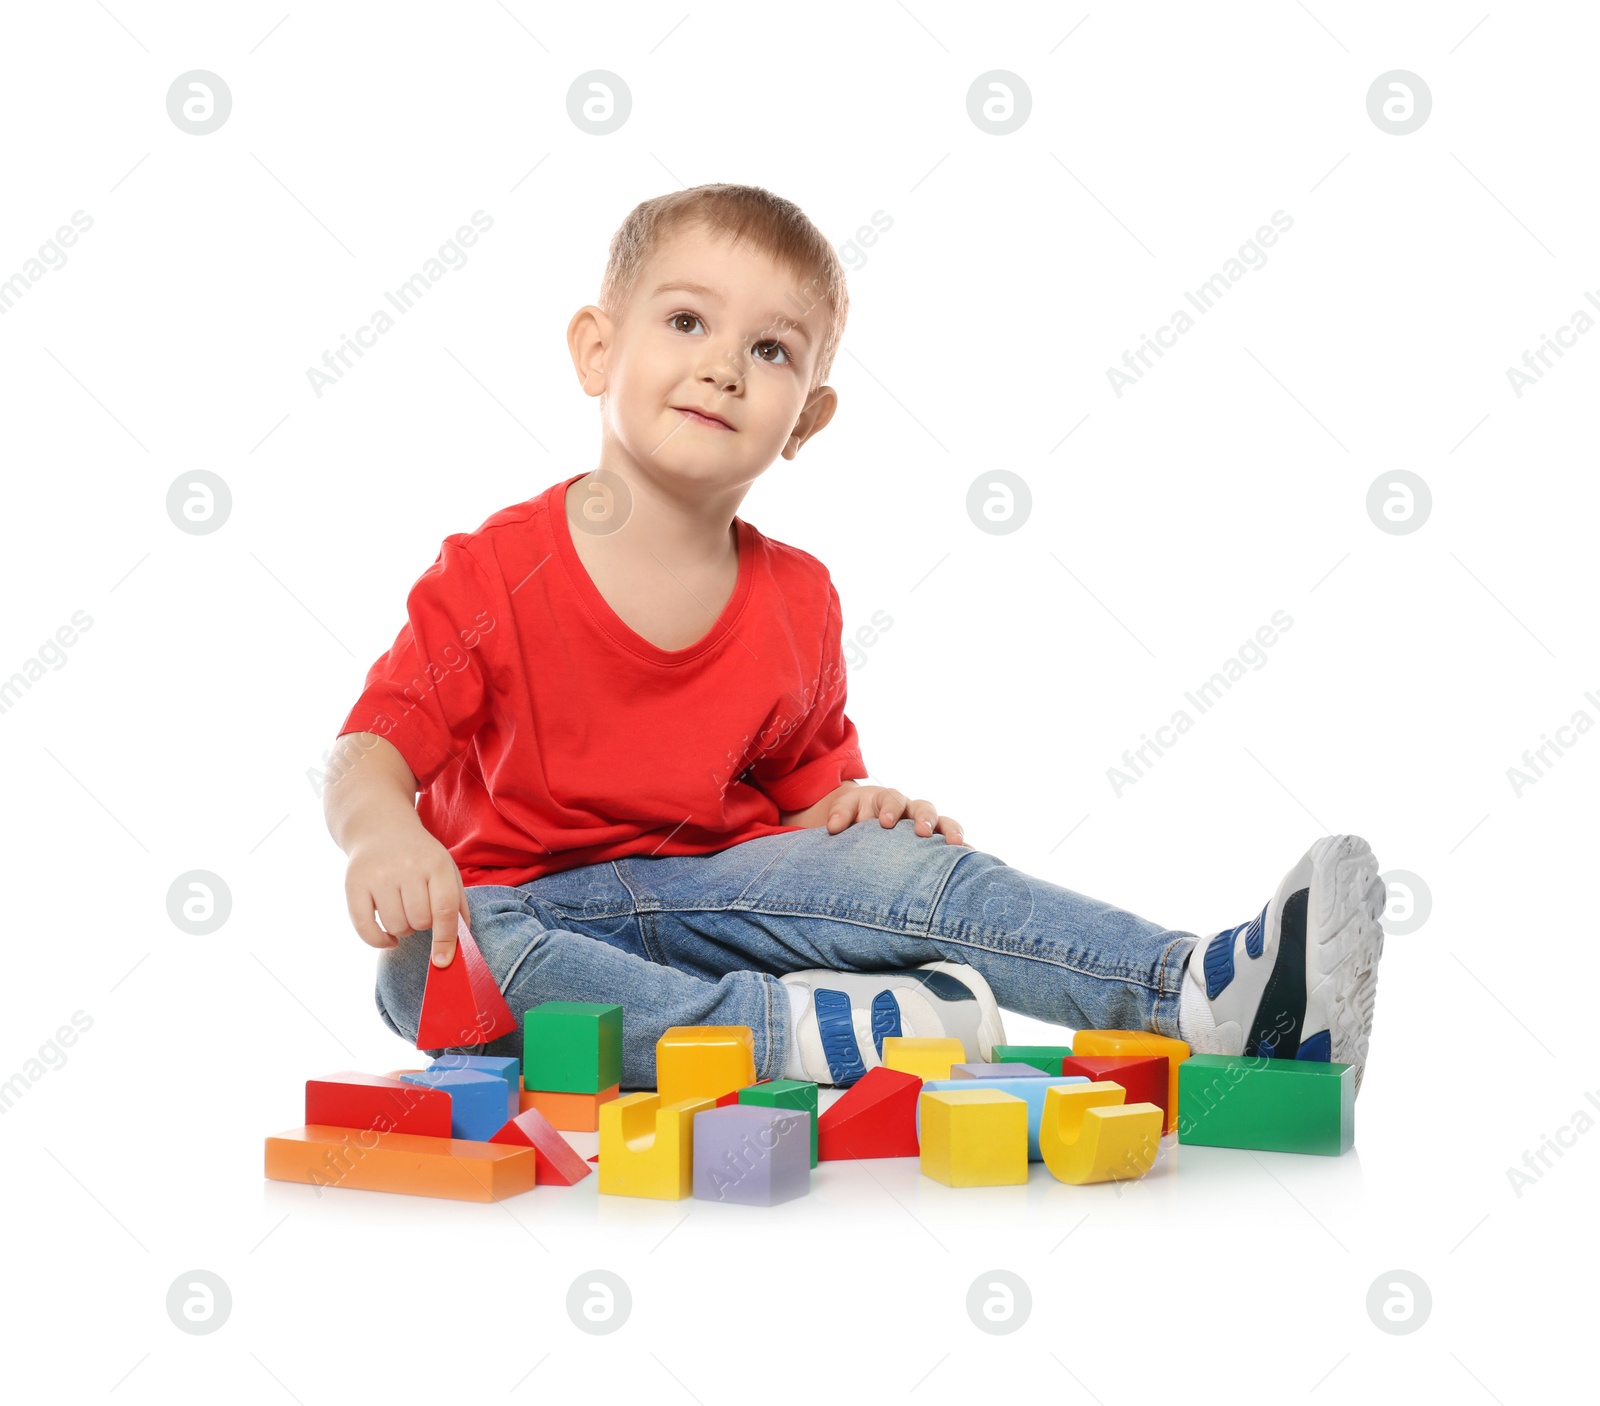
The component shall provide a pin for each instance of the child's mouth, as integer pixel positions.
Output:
(696, 418)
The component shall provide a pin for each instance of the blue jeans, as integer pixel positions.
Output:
(701, 939)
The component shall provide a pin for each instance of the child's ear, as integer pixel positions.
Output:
(589, 337)
(819, 408)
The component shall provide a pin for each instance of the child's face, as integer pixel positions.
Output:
(715, 327)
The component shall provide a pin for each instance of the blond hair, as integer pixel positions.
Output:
(773, 225)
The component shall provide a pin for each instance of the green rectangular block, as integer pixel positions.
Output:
(572, 1047)
(1267, 1105)
(1045, 1057)
(786, 1093)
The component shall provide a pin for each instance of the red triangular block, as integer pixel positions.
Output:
(461, 1004)
(555, 1162)
(875, 1117)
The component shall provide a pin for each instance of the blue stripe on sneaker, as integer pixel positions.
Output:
(1255, 937)
(838, 1034)
(1219, 963)
(885, 1018)
(1318, 1046)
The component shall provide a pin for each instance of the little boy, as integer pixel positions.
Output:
(623, 706)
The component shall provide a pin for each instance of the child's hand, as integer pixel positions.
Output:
(408, 877)
(864, 802)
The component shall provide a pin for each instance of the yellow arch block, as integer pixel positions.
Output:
(647, 1147)
(1138, 1042)
(1088, 1134)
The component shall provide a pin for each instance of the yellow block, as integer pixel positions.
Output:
(647, 1147)
(1138, 1042)
(1089, 1134)
(927, 1059)
(973, 1137)
(704, 1061)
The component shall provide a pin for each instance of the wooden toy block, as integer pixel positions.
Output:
(1139, 1042)
(734, 1096)
(785, 1093)
(926, 1058)
(572, 1113)
(704, 1061)
(1267, 1105)
(647, 1147)
(507, 1067)
(973, 1136)
(556, 1161)
(351, 1100)
(1144, 1078)
(1045, 1057)
(1012, 1070)
(752, 1155)
(1089, 1134)
(572, 1047)
(875, 1117)
(367, 1160)
(477, 1101)
(399, 1073)
(1030, 1089)
(461, 1003)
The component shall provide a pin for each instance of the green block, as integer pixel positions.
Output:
(786, 1093)
(1267, 1105)
(572, 1047)
(1045, 1057)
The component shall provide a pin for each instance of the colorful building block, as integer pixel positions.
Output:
(1045, 1057)
(704, 1061)
(924, 1057)
(1015, 1069)
(461, 1003)
(1030, 1088)
(367, 1160)
(1267, 1105)
(875, 1117)
(554, 1158)
(784, 1093)
(572, 1113)
(734, 1096)
(750, 1155)
(647, 1147)
(477, 1101)
(507, 1067)
(1089, 1134)
(973, 1136)
(572, 1047)
(1144, 1078)
(1139, 1042)
(351, 1100)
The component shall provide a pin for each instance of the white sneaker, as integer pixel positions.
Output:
(839, 1034)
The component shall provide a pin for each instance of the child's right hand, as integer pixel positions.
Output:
(409, 879)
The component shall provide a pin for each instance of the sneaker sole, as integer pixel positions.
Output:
(1344, 942)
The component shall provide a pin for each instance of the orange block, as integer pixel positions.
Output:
(572, 1113)
(368, 1160)
(1138, 1042)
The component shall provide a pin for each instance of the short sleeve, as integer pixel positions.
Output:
(430, 693)
(823, 750)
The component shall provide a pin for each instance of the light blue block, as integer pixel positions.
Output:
(507, 1067)
(477, 1100)
(1031, 1091)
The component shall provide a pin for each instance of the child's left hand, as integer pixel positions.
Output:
(859, 803)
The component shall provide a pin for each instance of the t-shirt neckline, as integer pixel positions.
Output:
(608, 619)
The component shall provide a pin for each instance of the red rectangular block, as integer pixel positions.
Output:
(355, 1100)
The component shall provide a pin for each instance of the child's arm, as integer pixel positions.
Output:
(396, 867)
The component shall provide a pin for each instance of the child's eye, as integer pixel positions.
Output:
(779, 348)
(778, 356)
(681, 316)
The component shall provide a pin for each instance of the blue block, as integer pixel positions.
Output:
(477, 1100)
(507, 1067)
(1030, 1091)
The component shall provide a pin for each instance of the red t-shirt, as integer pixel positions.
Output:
(544, 733)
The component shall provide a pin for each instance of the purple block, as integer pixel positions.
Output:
(748, 1155)
(996, 1071)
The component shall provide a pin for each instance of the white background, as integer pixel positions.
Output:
(185, 725)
